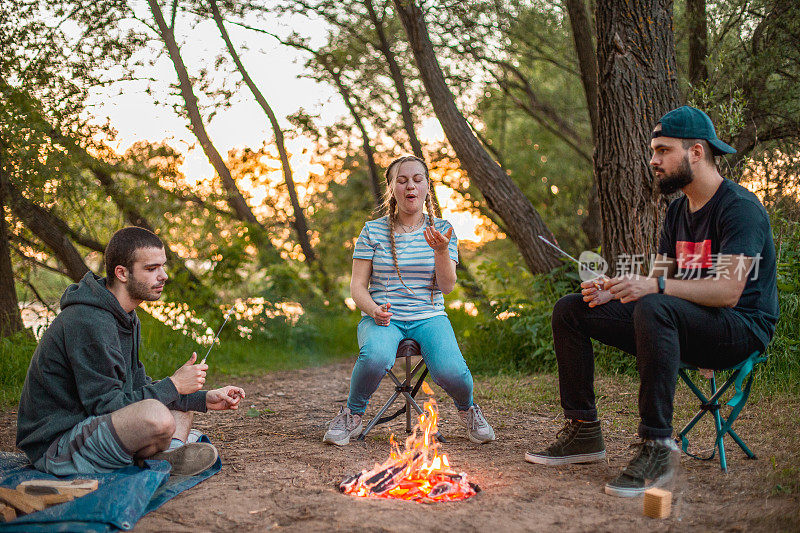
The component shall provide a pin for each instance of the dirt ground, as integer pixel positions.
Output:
(277, 473)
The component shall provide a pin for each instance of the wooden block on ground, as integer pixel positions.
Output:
(36, 490)
(24, 503)
(55, 499)
(7, 513)
(657, 503)
(75, 488)
(82, 484)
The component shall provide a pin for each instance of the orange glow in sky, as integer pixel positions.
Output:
(277, 70)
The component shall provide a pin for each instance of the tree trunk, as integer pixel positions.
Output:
(698, 40)
(397, 79)
(10, 315)
(298, 216)
(374, 179)
(587, 57)
(637, 85)
(502, 195)
(587, 64)
(324, 61)
(235, 198)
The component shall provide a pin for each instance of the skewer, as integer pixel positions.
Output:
(581, 265)
(227, 316)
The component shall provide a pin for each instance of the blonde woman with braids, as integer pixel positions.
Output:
(402, 264)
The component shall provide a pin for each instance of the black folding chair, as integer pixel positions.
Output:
(407, 349)
(712, 405)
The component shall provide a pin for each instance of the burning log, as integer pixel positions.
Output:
(441, 488)
(417, 473)
(350, 483)
(385, 479)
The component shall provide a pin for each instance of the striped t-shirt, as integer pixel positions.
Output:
(416, 264)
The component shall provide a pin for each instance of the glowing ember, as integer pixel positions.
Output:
(417, 473)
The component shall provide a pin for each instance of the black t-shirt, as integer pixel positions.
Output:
(732, 223)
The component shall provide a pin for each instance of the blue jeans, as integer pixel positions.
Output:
(378, 347)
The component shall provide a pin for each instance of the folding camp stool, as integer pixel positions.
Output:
(712, 405)
(407, 349)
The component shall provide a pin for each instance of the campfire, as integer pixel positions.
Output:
(417, 473)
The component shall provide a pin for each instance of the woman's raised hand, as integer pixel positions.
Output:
(436, 240)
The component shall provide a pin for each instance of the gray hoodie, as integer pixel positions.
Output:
(87, 364)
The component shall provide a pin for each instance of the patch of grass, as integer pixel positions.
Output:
(316, 339)
(519, 392)
(781, 372)
(15, 356)
(786, 478)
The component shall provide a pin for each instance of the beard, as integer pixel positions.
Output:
(139, 290)
(671, 183)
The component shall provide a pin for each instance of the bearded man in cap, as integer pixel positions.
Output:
(710, 300)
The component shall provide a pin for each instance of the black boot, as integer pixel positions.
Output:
(577, 442)
(653, 466)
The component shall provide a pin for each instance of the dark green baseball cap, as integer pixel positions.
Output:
(688, 122)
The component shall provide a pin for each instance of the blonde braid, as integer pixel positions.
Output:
(429, 205)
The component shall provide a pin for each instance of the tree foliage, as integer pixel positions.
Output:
(517, 70)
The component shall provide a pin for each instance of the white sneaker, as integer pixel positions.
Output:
(194, 435)
(343, 426)
(478, 429)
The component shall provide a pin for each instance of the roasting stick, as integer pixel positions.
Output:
(227, 316)
(581, 265)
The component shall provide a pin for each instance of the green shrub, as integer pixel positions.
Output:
(15, 356)
(515, 335)
(782, 369)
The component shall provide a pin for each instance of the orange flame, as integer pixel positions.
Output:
(417, 472)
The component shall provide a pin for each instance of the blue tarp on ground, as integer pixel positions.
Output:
(121, 499)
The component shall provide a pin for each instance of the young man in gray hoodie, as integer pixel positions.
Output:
(87, 405)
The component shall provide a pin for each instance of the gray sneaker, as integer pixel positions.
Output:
(189, 459)
(576, 442)
(343, 426)
(478, 429)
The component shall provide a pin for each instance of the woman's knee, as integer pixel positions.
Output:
(376, 358)
(454, 377)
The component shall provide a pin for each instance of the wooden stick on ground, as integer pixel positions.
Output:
(24, 503)
(76, 487)
(7, 513)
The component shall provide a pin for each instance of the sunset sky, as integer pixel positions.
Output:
(275, 68)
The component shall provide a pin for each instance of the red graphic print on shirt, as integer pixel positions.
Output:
(693, 255)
